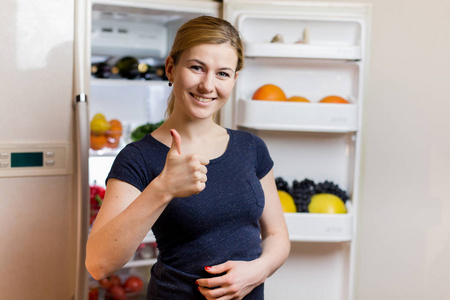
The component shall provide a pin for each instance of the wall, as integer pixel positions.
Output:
(404, 236)
(404, 224)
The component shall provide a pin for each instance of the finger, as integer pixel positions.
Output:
(215, 293)
(176, 141)
(202, 169)
(212, 283)
(218, 269)
(203, 160)
(203, 178)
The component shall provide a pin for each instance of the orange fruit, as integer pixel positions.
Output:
(114, 134)
(115, 125)
(112, 141)
(269, 92)
(333, 99)
(98, 141)
(298, 99)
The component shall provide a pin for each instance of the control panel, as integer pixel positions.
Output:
(35, 159)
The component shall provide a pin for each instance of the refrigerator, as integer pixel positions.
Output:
(323, 52)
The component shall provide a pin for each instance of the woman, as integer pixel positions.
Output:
(208, 193)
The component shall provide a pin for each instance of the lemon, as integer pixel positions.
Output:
(100, 126)
(287, 202)
(99, 117)
(326, 204)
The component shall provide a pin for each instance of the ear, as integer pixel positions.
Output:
(169, 67)
(236, 76)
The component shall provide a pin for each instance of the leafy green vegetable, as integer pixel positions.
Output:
(143, 130)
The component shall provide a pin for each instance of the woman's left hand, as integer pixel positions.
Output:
(238, 280)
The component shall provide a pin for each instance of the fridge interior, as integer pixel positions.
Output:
(323, 54)
(146, 32)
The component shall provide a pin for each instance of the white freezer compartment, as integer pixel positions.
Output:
(312, 79)
(137, 31)
(319, 157)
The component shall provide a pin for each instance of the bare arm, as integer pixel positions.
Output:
(127, 215)
(123, 221)
(274, 233)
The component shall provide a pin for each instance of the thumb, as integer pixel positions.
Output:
(176, 141)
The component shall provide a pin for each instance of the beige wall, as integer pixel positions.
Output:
(404, 225)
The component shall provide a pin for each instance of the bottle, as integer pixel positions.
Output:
(161, 72)
(101, 70)
(149, 72)
(127, 67)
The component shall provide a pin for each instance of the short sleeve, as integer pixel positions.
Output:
(129, 166)
(264, 162)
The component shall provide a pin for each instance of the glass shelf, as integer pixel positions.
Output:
(126, 82)
(140, 263)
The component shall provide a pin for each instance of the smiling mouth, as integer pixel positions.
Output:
(201, 99)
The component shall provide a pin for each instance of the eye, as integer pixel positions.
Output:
(223, 74)
(196, 68)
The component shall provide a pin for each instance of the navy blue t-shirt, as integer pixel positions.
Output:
(220, 223)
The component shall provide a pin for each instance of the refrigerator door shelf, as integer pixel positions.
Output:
(149, 238)
(339, 52)
(140, 263)
(285, 116)
(97, 82)
(104, 152)
(307, 227)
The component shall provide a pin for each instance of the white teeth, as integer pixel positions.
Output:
(205, 100)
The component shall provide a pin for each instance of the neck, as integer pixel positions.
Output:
(192, 129)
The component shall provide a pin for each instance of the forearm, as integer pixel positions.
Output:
(275, 250)
(111, 244)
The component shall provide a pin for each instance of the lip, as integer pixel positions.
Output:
(203, 100)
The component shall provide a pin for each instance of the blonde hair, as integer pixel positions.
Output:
(204, 30)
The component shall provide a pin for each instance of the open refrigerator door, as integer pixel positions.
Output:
(309, 51)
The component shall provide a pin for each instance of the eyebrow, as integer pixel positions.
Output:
(203, 64)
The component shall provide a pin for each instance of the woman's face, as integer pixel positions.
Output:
(203, 79)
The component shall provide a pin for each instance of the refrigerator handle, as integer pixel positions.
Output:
(82, 221)
(82, 10)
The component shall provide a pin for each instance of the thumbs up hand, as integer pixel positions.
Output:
(184, 174)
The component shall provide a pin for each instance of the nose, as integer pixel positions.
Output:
(207, 83)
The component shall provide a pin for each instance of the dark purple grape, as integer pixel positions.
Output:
(331, 188)
(281, 184)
